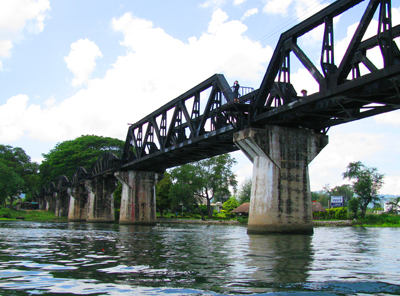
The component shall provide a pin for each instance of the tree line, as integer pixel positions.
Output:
(192, 185)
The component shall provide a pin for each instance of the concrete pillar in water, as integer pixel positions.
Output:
(138, 198)
(101, 198)
(78, 203)
(50, 201)
(62, 202)
(280, 194)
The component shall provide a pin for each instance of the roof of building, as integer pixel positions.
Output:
(243, 208)
(317, 207)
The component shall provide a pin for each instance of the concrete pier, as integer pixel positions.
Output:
(101, 198)
(78, 203)
(62, 202)
(138, 199)
(280, 194)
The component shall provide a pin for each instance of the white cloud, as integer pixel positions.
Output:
(12, 124)
(81, 60)
(249, 13)
(18, 15)
(213, 3)
(343, 148)
(277, 6)
(156, 69)
(238, 2)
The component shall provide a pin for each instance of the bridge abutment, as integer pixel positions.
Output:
(280, 194)
(101, 199)
(138, 199)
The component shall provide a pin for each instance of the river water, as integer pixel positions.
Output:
(112, 259)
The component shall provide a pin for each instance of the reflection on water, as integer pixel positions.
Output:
(112, 259)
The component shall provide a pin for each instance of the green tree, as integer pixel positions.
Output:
(344, 190)
(320, 197)
(230, 204)
(366, 184)
(245, 191)
(10, 184)
(67, 156)
(18, 163)
(207, 180)
(163, 197)
(185, 187)
(394, 205)
(353, 205)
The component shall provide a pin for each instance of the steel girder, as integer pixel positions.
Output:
(192, 127)
(345, 93)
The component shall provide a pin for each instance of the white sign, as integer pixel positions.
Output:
(337, 201)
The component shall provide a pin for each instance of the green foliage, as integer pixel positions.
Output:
(353, 206)
(245, 191)
(242, 220)
(67, 156)
(344, 190)
(394, 205)
(163, 197)
(208, 179)
(17, 173)
(230, 204)
(334, 214)
(36, 215)
(366, 184)
(320, 197)
(383, 220)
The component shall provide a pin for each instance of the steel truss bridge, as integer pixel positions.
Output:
(201, 122)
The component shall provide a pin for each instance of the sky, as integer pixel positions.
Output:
(72, 68)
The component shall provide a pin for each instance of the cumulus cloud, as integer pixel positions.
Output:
(238, 2)
(249, 13)
(213, 3)
(18, 16)
(82, 60)
(156, 69)
(343, 148)
(277, 6)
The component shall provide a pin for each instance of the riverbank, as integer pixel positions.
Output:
(382, 220)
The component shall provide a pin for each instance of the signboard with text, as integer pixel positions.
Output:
(336, 201)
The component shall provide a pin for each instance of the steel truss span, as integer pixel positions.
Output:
(200, 123)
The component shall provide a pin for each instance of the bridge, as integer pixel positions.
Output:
(279, 130)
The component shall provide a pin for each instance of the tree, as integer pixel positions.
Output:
(17, 169)
(67, 156)
(320, 197)
(207, 179)
(353, 206)
(10, 184)
(230, 204)
(245, 191)
(366, 184)
(344, 190)
(163, 198)
(394, 205)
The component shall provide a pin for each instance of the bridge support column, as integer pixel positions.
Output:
(78, 204)
(138, 198)
(50, 201)
(62, 202)
(101, 199)
(280, 194)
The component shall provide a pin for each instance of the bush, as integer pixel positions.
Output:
(334, 213)
(6, 215)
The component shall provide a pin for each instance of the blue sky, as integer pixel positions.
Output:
(71, 68)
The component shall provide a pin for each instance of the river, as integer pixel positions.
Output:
(112, 259)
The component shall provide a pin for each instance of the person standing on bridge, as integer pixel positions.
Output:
(236, 92)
